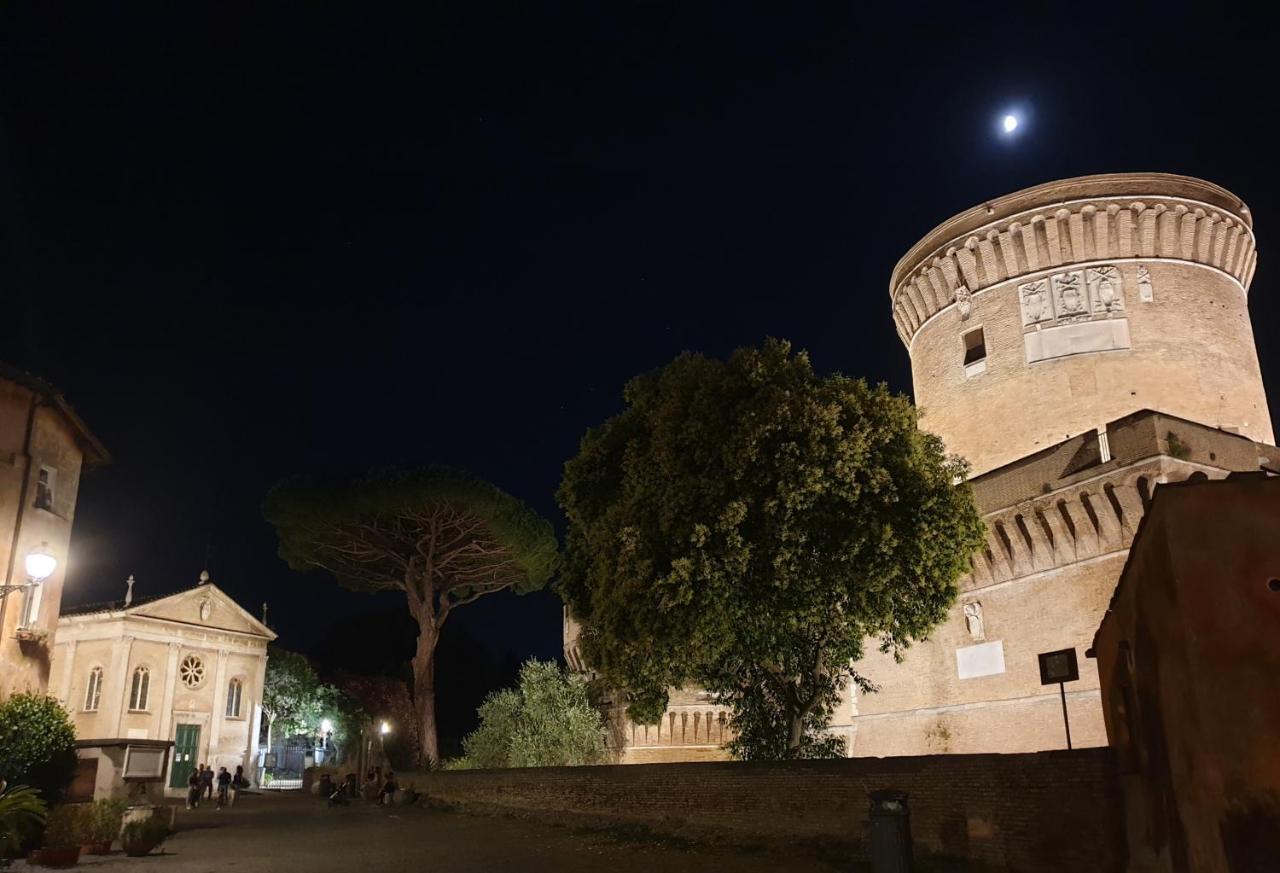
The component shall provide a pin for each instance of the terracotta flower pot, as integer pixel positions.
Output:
(61, 856)
(99, 848)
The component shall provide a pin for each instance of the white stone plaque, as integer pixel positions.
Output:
(1076, 339)
(984, 659)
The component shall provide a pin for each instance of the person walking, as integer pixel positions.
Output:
(206, 781)
(193, 789)
(224, 787)
(237, 782)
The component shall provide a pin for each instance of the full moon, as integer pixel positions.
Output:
(1010, 123)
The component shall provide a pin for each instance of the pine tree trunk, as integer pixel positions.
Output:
(424, 690)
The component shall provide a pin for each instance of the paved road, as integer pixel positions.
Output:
(278, 834)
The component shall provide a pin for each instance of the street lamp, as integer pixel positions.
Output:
(385, 728)
(40, 564)
(326, 726)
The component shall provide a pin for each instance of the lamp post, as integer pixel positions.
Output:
(40, 565)
(383, 730)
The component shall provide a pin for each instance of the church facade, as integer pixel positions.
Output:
(1079, 343)
(186, 668)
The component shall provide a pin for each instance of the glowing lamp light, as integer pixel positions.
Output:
(41, 564)
(326, 726)
(385, 728)
(1010, 123)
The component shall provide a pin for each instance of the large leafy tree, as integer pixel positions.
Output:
(745, 525)
(289, 693)
(548, 720)
(442, 537)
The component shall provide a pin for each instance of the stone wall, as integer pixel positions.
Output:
(1019, 812)
(1059, 525)
(1089, 310)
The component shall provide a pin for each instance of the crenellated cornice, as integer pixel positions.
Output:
(1073, 221)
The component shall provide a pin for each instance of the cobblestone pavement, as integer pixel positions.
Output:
(282, 833)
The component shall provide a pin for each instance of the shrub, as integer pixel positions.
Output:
(1177, 448)
(105, 817)
(144, 834)
(547, 721)
(37, 745)
(21, 813)
(66, 827)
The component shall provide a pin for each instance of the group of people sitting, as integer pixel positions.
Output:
(200, 784)
(376, 785)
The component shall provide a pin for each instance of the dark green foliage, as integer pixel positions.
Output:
(442, 536)
(366, 531)
(1177, 448)
(37, 745)
(104, 819)
(143, 835)
(22, 813)
(745, 525)
(67, 826)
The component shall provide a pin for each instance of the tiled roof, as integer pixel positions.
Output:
(115, 605)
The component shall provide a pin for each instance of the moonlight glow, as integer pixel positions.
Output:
(1010, 123)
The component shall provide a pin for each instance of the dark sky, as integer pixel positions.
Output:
(249, 242)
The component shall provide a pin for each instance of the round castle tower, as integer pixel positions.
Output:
(1051, 311)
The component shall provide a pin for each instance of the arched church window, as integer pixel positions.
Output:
(93, 690)
(234, 691)
(138, 692)
(191, 671)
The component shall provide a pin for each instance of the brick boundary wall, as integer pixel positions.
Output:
(1045, 812)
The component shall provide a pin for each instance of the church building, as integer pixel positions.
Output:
(185, 668)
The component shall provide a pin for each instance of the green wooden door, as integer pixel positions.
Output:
(185, 744)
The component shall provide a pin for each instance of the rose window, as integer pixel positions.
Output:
(191, 671)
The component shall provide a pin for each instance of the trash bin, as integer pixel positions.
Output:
(889, 832)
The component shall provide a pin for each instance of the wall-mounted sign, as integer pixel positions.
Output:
(1059, 666)
(144, 762)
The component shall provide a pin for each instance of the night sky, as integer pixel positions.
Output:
(249, 243)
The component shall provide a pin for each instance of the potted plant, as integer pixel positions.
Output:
(141, 837)
(104, 817)
(64, 832)
(21, 811)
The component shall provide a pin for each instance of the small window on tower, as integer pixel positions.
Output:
(975, 352)
(46, 479)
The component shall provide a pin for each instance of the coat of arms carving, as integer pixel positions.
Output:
(1106, 289)
(1035, 302)
(1070, 297)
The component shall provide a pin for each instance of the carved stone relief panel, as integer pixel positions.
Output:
(1036, 307)
(963, 303)
(1106, 289)
(1145, 292)
(1070, 297)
